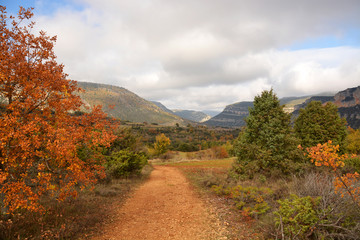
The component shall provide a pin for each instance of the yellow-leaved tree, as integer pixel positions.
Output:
(161, 144)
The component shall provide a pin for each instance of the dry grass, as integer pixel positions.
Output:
(217, 163)
(214, 153)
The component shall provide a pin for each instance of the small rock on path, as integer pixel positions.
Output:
(164, 207)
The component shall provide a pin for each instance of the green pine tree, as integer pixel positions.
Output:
(267, 143)
(319, 124)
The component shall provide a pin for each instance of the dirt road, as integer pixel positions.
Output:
(165, 207)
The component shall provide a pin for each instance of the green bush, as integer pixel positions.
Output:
(340, 215)
(188, 147)
(125, 163)
(352, 164)
(251, 200)
(297, 216)
(125, 140)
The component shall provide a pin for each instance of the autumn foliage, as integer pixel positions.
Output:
(39, 134)
(162, 144)
(327, 155)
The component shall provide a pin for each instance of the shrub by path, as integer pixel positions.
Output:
(164, 207)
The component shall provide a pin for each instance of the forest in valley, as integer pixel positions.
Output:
(62, 168)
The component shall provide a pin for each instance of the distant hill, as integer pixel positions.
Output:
(348, 98)
(322, 99)
(127, 105)
(233, 115)
(160, 105)
(211, 113)
(195, 116)
(347, 101)
(291, 102)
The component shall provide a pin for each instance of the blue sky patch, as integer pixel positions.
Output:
(41, 7)
(349, 38)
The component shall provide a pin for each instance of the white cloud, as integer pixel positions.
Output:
(206, 54)
(316, 70)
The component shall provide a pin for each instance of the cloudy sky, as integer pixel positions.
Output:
(205, 54)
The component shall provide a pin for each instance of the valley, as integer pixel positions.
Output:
(82, 160)
(120, 103)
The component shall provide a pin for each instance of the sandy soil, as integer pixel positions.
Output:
(165, 207)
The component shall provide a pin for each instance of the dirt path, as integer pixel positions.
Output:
(165, 207)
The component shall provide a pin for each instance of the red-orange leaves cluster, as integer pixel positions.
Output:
(348, 183)
(40, 134)
(327, 155)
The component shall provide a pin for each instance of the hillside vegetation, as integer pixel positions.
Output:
(120, 103)
(347, 101)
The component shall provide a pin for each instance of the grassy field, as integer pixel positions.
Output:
(216, 163)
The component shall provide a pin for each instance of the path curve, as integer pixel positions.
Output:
(164, 207)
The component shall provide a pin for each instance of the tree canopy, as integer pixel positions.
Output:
(161, 144)
(352, 141)
(39, 135)
(319, 123)
(267, 141)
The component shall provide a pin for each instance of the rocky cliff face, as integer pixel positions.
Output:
(348, 102)
(233, 115)
(352, 115)
(348, 98)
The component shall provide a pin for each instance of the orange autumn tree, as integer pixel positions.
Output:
(327, 155)
(39, 133)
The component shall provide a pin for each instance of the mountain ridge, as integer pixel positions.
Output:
(232, 116)
(128, 106)
(121, 103)
(347, 101)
